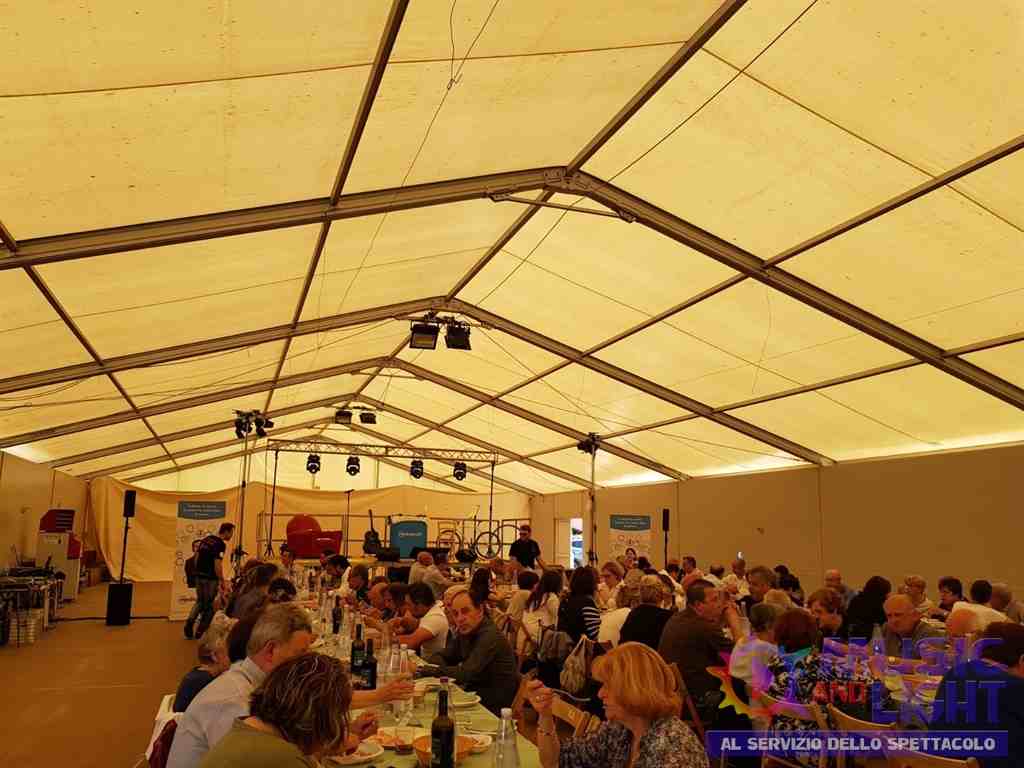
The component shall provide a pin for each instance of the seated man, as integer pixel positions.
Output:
(904, 629)
(431, 630)
(981, 596)
(834, 581)
(693, 639)
(358, 582)
(281, 633)
(736, 582)
(379, 598)
(336, 572)
(760, 579)
(480, 658)
(1002, 600)
(424, 570)
(288, 569)
(826, 606)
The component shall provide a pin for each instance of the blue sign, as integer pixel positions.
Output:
(202, 510)
(407, 535)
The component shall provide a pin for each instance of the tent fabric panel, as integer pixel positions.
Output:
(941, 266)
(122, 302)
(347, 345)
(185, 378)
(317, 390)
(227, 139)
(609, 469)
(542, 26)
(626, 263)
(115, 460)
(574, 313)
(420, 131)
(153, 468)
(80, 442)
(199, 41)
(702, 447)
(1006, 361)
(353, 289)
(503, 429)
(753, 28)
(496, 362)
(529, 477)
(27, 324)
(591, 402)
(404, 235)
(914, 410)
(892, 83)
(768, 183)
(997, 188)
(35, 409)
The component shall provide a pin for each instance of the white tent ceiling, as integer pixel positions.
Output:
(810, 250)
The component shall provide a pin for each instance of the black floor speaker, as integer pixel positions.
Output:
(119, 603)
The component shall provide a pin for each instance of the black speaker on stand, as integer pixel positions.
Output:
(664, 528)
(119, 593)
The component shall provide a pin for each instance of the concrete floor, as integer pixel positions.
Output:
(84, 695)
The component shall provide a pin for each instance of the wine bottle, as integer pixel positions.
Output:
(442, 735)
(369, 667)
(336, 616)
(358, 652)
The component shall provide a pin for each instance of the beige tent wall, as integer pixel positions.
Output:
(955, 513)
(151, 540)
(27, 490)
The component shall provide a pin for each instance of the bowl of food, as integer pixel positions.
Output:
(463, 747)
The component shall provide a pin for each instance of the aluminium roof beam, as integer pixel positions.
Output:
(795, 287)
(373, 451)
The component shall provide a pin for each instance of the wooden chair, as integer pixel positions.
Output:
(848, 724)
(689, 714)
(807, 713)
(573, 716)
(919, 760)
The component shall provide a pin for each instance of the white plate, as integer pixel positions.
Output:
(428, 683)
(462, 702)
(483, 742)
(367, 752)
(386, 736)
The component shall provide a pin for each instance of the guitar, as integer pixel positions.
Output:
(371, 539)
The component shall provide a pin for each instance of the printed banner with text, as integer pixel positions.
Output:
(630, 531)
(196, 519)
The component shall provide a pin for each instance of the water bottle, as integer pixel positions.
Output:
(402, 707)
(877, 642)
(506, 753)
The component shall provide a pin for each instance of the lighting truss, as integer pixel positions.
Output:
(382, 451)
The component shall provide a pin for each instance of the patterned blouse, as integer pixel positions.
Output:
(669, 743)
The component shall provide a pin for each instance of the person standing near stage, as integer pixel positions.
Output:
(209, 578)
(525, 550)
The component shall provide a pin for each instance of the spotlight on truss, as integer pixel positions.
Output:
(342, 416)
(423, 336)
(352, 465)
(456, 335)
(367, 417)
(240, 428)
(459, 472)
(313, 463)
(589, 445)
(262, 425)
(416, 469)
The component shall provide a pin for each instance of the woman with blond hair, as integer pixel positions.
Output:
(213, 659)
(642, 706)
(612, 575)
(296, 716)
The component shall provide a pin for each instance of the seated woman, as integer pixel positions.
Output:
(748, 662)
(801, 674)
(252, 590)
(213, 659)
(526, 581)
(542, 607)
(642, 707)
(866, 611)
(612, 575)
(647, 620)
(613, 619)
(298, 715)
(479, 658)
(578, 614)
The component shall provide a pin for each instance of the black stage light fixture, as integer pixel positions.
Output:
(342, 416)
(423, 336)
(416, 469)
(313, 463)
(367, 417)
(589, 445)
(460, 470)
(456, 336)
(260, 423)
(352, 465)
(240, 428)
